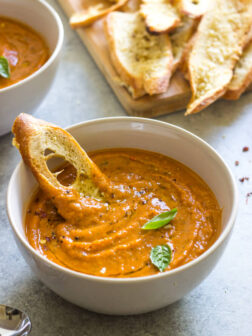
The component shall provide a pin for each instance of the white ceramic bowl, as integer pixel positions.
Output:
(135, 295)
(27, 94)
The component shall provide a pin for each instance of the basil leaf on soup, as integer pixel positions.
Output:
(161, 256)
(4, 67)
(160, 220)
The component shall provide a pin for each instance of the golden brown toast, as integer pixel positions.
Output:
(160, 16)
(143, 61)
(219, 42)
(93, 12)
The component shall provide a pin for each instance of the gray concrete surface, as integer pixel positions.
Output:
(222, 304)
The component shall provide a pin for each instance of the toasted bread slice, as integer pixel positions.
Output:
(180, 38)
(220, 38)
(242, 76)
(193, 8)
(160, 16)
(143, 61)
(39, 141)
(93, 12)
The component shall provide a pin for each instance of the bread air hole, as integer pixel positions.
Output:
(64, 171)
(48, 151)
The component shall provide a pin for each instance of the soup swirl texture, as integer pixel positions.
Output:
(109, 240)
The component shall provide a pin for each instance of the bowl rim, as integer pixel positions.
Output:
(222, 237)
(54, 54)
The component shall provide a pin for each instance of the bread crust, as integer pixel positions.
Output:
(242, 76)
(183, 64)
(234, 94)
(167, 19)
(134, 85)
(195, 9)
(87, 17)
(137, 85)
(180, 39)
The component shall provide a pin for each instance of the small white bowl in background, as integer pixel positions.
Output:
(142, 294)
(26, 95)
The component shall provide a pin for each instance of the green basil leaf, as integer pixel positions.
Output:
(160, 220)
(4, 67)
(161, 256)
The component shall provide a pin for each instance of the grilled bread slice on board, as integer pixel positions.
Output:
(142, 61)
(160, 16)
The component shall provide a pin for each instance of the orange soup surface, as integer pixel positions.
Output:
(110, 241)
(25, 50)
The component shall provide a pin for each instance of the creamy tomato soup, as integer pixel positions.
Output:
(25, 50)
(109, 241)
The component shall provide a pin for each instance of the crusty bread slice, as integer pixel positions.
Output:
(143, 61)
(38, 141)
(193, 8)
(160, 16)
(180, 38)
(242, 76)
(220, 38)
(93, 12)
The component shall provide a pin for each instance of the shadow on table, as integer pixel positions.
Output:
(51, 315)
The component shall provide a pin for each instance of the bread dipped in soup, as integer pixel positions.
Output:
(120, 212)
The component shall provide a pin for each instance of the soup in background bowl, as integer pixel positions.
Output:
(144, 293)
(26, 93)
(24, 50)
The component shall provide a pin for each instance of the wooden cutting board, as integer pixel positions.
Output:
(176, 97)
